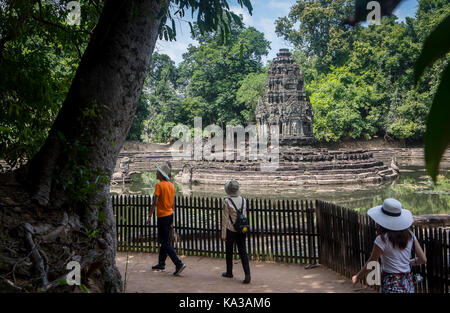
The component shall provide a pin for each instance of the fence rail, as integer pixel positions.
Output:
(282, 231)
(292, 231)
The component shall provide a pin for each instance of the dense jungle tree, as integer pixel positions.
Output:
(56, 207)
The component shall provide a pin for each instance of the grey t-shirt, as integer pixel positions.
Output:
(395, 260)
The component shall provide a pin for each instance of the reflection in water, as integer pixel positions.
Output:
(412, 188)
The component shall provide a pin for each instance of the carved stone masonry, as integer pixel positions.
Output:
(285, 103)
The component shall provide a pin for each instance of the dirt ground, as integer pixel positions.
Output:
(203, 275)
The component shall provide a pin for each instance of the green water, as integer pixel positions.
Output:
(413, 188)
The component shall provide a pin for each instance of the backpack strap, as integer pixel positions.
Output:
(242, 204)
(234, 205)
(237, 210)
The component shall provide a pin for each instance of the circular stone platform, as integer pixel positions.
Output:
(298, 166)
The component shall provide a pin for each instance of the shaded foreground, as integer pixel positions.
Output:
(203, 275)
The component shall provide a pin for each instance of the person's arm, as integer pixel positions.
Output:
(173, 208)
(155, 201)
(224, 220)
(376, 252)
(420, 258)
(152, 208)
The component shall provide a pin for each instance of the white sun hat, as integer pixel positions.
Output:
(391, 215)
(232, 188)
(164, 170)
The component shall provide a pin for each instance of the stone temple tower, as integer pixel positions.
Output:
(285, 103)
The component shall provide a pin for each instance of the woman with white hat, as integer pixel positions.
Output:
(229, 234)
(393, 246)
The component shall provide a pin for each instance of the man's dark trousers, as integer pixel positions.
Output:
(239, 239)
(163, 237)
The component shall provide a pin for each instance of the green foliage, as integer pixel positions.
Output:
(407, 119)
(215, 73)
(437, 136)
(252, 87)
(84, 288)
(62, 282)
(211, 16)
(80, 179)
(361, 11)
(214, 81)
(39, 54)
(321, 32)
(101, 217)
(343, 106)
(160, 102)
(360, 80)
(138, 126)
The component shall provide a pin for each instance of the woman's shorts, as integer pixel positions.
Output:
(397, 283)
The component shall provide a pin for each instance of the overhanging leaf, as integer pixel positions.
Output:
(361, 11)
(437, 135)
(436, 45)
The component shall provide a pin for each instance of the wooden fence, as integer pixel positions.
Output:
(282, 231)
(292, 231)
(346, 241)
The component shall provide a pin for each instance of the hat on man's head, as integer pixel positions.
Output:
(232, 188)
(391, 215)
(164, 170)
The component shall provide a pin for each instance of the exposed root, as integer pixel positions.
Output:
(37, 243)
(38, 260)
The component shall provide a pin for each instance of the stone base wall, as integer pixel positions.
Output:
(297, 167)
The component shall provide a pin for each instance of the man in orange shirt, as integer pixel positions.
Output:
(164, 201)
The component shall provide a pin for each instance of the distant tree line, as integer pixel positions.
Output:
(359, 79)
(220, 83)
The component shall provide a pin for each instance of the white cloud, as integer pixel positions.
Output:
(283, 7)
(175, 49)
(247, 18)
(264, 15)
(406, 8)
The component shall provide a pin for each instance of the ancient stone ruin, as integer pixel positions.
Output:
(124, 174)
(286, 106)
(285, 103)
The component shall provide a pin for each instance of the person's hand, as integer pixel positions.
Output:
(355, 279)
(148, 220)
(224, 238)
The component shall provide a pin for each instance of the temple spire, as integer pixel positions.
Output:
(285, 103)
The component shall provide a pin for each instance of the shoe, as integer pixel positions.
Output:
(225, 274)
(159, 267)
(247, 279)
(179, 269)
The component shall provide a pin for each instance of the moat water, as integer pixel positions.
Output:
(413, 188)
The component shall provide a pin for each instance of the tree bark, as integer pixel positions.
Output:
(65, 176)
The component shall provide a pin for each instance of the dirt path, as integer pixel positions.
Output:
(203, 275)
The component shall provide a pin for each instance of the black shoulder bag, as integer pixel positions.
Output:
(241, 225)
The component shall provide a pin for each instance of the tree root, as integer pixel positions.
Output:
(8, 286)
(37, 243)
(38, 260)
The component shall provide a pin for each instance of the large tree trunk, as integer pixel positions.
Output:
(70, 215)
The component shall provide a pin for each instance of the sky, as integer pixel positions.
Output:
(264, 15)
